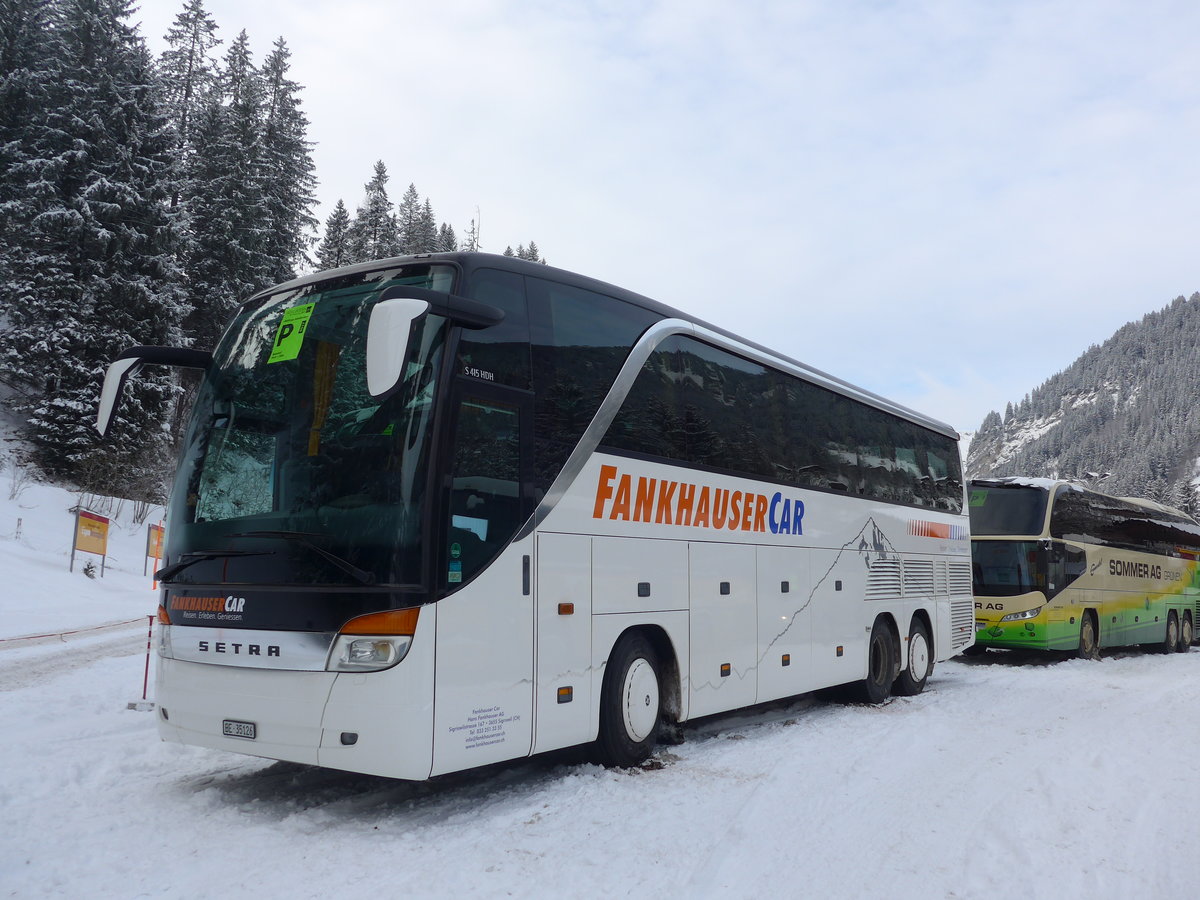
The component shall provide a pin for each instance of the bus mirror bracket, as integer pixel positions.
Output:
(460, 310)
(127, 363)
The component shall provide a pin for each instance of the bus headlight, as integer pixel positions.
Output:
(374, 641)
(367, 654)
(1016, 617)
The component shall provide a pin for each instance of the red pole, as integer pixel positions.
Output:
(149, 640)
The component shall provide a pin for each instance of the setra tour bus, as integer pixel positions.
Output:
(442, 511)
(1060, 567)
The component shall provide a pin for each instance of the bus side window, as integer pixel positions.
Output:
(485, 498)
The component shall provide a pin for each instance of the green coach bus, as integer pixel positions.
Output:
(1057, 566)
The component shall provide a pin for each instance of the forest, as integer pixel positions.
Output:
(141, 200)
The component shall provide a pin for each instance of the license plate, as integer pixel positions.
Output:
(232, 728)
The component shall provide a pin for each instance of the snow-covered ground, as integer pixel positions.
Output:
(1009, 777)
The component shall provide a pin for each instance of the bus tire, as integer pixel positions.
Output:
(920, 662)
(881, 666)
(630, 703)
(1186, 634)
(1171, 639)
(1089, 637)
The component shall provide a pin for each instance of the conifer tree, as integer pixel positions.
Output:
(373, 233)
(408, 221)
(29, 71)
(227, 212)
(104, 235)
(447, 241)
(289, 182)
(187, 68)
(333, 251)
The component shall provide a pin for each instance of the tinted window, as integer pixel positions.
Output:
(485, 495)
(498, 354)
(580, 340)
(1007, 568)
(1006, 510)
(1093, 518)
(707, 407)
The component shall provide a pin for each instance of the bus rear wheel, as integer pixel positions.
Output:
(630, 703)
(1089, 637)
(1186, 634)
(1171, 639)
(881, 666)
(920, 662)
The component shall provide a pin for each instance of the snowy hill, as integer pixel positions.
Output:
(1124, 413)
(40, 595)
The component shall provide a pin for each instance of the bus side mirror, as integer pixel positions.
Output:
(387, 342)
(124, 366)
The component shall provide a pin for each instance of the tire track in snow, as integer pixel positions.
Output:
(34, 666)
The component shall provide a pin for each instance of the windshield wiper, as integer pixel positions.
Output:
(190, 559)
(362, 576)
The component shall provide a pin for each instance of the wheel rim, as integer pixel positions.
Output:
(640, 700)
(1088, 636)
(918, 657)
(1186, 633)
(1172, 631)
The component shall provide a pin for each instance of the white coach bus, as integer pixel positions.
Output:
(437, 512)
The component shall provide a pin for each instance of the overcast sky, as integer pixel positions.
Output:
(943, 201)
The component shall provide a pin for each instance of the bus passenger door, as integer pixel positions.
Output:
(483, 704)
(563, 695)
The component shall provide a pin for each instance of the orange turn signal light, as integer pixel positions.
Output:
(391, 622)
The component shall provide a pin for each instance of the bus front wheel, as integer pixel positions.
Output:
(1185, 633)
(920, 662)
(1089, 638)
(630, 703)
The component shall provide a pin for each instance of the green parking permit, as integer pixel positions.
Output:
(978, 498)
(289, 338)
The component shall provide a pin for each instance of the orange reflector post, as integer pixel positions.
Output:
(565, 694)
(566, 609)
(394, 621)
(163, 618)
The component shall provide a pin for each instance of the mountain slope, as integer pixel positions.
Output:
(1124, 416)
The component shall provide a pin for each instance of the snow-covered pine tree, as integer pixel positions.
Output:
(373, 233)
(408, 221)
(289, 182)
(28, 72)
(471, 244)
(105, 276)
(227, 212)
(447, 240)
(188, 69)
(332, 251)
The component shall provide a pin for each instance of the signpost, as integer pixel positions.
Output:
(91, 536)
(154, 545)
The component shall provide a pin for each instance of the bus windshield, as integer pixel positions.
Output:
(1007, 510)
(1007, 568)
(291, 472)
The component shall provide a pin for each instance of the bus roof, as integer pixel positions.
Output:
(468, 262)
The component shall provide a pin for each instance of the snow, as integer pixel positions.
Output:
(1011, 776)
